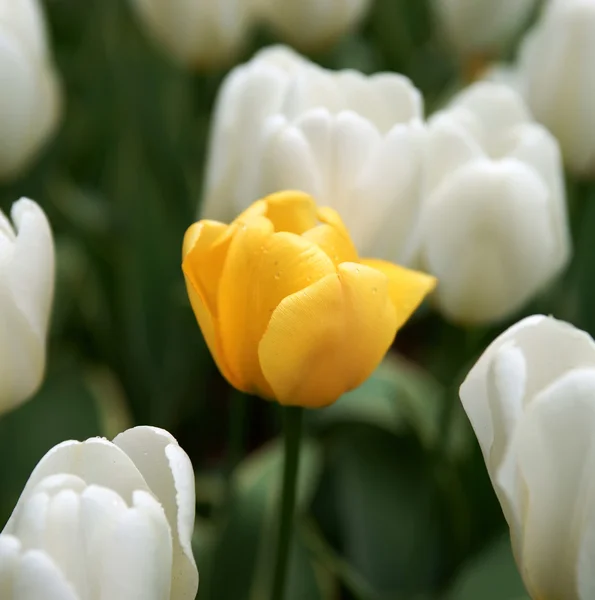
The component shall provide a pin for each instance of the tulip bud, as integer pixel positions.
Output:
(26, 292)
(353, 142)
(30, 99)
(312, 24)
(103, 519)
(560, 97)
(482, 26)
(531, 401)
(493, 224)
(199, 33)
(286, 306)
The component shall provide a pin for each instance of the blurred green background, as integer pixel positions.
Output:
(394, 498)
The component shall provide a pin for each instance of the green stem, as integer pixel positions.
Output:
(292, 431)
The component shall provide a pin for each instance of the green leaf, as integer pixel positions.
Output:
(399, 397)
(246, 546)
(492, 575)
(388, 510)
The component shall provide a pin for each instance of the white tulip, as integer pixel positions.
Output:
(473, 26)
(198, 33)
(311, 24)
(493, 224)
(30, 98)
(556, 72)
(103, 520)
(26, 292)
(353, 142)
(531, 401)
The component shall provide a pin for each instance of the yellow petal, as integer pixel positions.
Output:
(204, 249)
(190, 237)
(331, 217)
(407, 288)
(336, 245)
(261, 269)
(328, 338)
(208, 326)
(257, 209)
(291, 211)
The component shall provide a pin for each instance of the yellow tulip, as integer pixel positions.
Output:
(287, 308)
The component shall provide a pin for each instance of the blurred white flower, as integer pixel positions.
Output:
(198, 33)
(26, 292)
(482, 26)
(531, 401)
(351, 141)
(493, 223)
(104, 520)
(558, 79)
(311, 24)
(30, 98)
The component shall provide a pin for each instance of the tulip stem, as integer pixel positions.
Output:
(292, 432)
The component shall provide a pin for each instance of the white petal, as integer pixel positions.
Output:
(354, 140)
(168, 472)
(286, 161)
(561, 98)
(310, 24)
(197, 33)
(481, 25)
(26, 19)
(402, 100)
(313, 88)
(550, 348)
(26, 290)
(507, 383)
(100, 512)
(384, 99)
(388, 191)
(32, 523)
(38, 577)
(10, 550)
(32, 267)
(556, 453)
(248, 96)
(64, 540)
(19, 75)
(497, 106)
(449, 146)
(535, 146)
(49, 521)
(136, 564)
(96, 461)
(501, 210)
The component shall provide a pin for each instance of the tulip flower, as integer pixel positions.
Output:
(30, 99)
(351, 141)
(493, 224)
(531, 401)
(101, 519)
(482, 26)
(26, 292)
(312, 24)
(286, 306)
(561, 97)
(199, 33)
